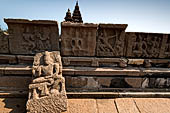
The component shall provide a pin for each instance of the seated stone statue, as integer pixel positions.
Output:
(48, 81)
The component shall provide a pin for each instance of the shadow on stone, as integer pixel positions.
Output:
(15, 105)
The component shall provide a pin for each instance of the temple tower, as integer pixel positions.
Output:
(68, 17)
(77, 15)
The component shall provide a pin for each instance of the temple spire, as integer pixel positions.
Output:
(77, 15)
(68, 17)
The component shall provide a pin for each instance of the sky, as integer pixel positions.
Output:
(140, 15)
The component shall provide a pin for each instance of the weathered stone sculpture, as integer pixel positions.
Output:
(78, 39)
(111, 40)
(30, 37)
(47, 91)
(147, 45)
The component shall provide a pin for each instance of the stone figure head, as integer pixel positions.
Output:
(47, 58)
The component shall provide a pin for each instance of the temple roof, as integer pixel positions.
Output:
(68, 16)
(77, 14)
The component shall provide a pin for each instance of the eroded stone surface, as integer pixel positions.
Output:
(47, 91)
(78, 39)
(30, 37)
(148, 45)
(4, 43)
(82, 106)
(111, 40)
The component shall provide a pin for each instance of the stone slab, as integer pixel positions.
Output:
(106, 106)
(82, 106)
(78, 39)
(152, 105)
(126, 105)
(30, 37)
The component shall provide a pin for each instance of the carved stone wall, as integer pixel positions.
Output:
(78, 39)
(147, 45)
(30, 37)
(47, 91)
(111, 40)
(4, 43)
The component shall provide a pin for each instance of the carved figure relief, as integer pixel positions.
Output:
(143, 45)
(110, 45)
(110, 41)
(36, 41)
(47, 91)
(30, 37)
(78, 39)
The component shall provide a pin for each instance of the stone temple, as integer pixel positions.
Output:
(89, 68)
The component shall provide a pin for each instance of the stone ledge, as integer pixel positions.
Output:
(24, 94)
(114, 26)
(111, 62)
(89, 71)
(69, 24)
(26, 21)
(109, 71)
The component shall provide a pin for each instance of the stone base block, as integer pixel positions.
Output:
(48, 104)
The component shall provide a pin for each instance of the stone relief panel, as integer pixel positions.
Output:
(78, 39)
(147, 45)
(165, 48)
(111, 40)
(4, 43)
(47, 91)
(30, 37)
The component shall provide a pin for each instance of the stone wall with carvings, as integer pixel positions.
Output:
(82, 39)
